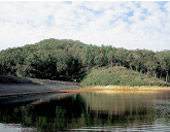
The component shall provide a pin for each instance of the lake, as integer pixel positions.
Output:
(87, 112)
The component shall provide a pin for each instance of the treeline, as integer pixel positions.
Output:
(70, 60)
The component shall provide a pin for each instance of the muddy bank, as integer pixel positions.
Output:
(33, 86)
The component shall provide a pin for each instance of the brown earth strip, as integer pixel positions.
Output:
(117, 89)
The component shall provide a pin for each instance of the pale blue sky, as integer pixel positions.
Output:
(132, 25)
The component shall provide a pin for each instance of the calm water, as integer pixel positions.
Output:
(86, 112)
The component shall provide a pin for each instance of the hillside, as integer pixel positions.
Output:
(71, 60)
(119, 76)
(14, 80)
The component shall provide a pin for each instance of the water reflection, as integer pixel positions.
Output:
(55, 114)
(91, 111)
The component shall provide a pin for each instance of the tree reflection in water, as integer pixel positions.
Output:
(82, 110)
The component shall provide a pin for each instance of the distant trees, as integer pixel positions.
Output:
(111, 58)
(88, 57)
(39, 65)
(69, 60)
(163, 60)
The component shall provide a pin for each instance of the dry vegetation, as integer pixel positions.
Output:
(118, 89)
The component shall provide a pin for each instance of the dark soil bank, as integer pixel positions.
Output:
(11, 87)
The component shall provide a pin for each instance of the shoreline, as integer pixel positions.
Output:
(37, 87)
(118, 89)
(46, 86)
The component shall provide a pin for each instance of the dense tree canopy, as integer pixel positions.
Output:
(69, 60)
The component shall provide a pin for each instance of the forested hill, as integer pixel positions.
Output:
(70, 60)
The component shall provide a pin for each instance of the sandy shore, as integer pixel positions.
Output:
(38, 86)
(118, 89)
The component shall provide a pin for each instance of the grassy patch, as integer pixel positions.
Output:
(119, 76)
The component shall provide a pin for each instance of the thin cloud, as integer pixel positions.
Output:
(131, 25)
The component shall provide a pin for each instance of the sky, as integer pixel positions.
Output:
(131, 25)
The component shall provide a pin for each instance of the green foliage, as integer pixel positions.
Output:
(40, 65)
(119, 76)
(111, 58)
(70, 60)
(99, 60)
(49, 59)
